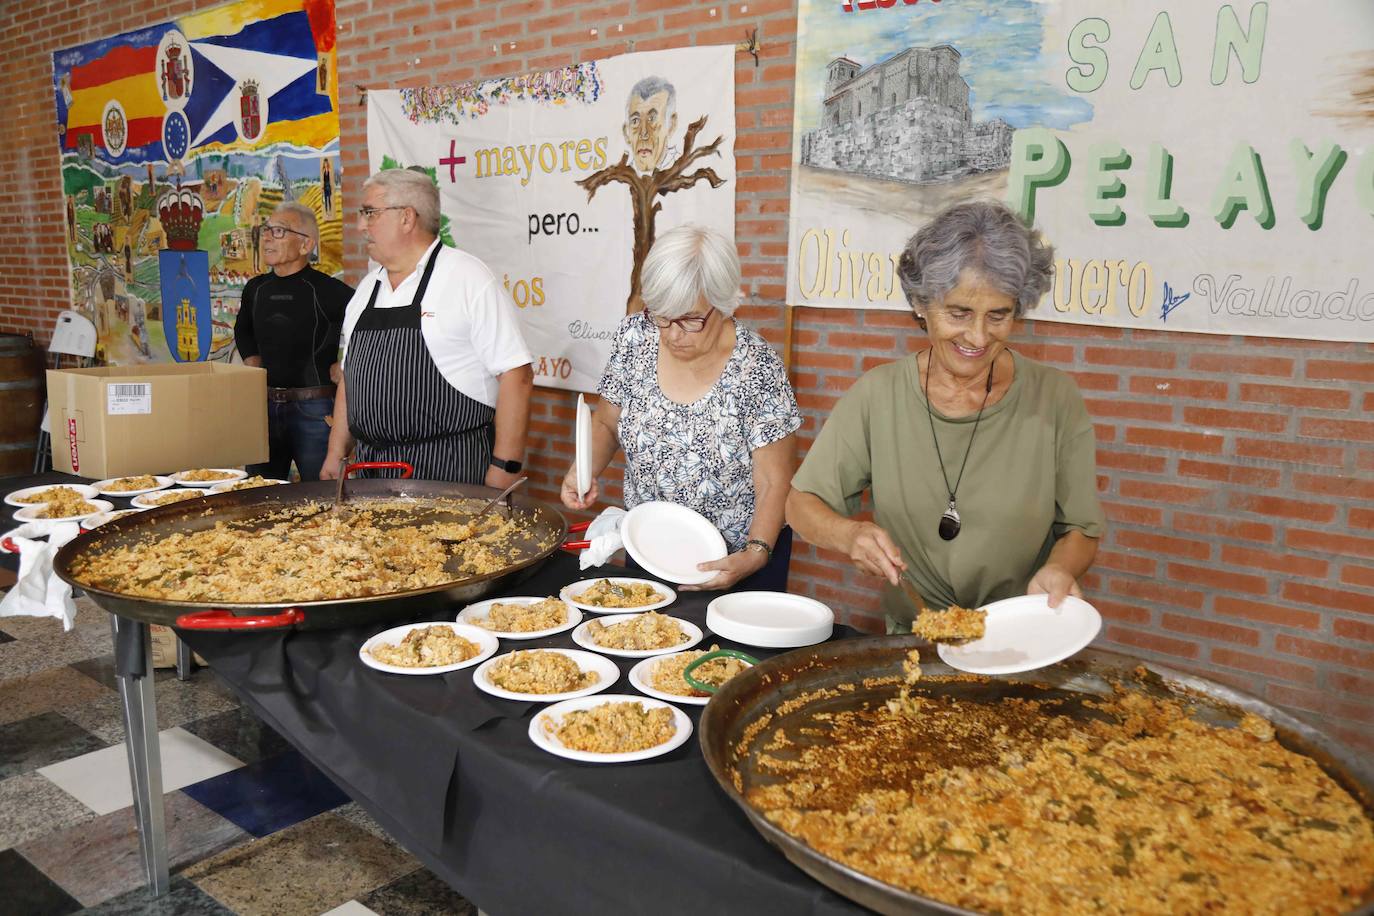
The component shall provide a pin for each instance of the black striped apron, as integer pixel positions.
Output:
(400, 406)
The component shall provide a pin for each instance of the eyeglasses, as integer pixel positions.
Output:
(367, 213)
(690, 324)
(279, 232)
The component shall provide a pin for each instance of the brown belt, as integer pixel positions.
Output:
(282, 395)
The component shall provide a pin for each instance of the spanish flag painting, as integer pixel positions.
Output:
(185, 136)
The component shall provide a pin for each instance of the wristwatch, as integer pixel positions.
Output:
(510, 467)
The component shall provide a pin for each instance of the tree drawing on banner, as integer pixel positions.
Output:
(648, 167)
(445, 227)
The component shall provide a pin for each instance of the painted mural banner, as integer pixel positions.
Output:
(178, 139)
(560, 180)
(1198, 166)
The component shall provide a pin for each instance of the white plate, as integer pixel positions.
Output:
(485, 641)
(178, 479)
(95, 521)
(141, 502)
(582, 441)
(86, 490)
(774, 620)
(103, 487)
(587, 661)
(482, 608)
(669, 541)
(569, 594)
(30, 513)
(225, 485)
(548, 741)
(642, 672)
(693, 632)
(1023, 634)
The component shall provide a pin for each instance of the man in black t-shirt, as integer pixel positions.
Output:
(289, 323)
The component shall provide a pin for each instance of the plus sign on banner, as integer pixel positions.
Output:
(542, 176)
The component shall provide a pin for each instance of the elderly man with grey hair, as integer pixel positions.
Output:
(703, 409)
(436, 373)
(288, 323)
(650, 119)
(981, 462)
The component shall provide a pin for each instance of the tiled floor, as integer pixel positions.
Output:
(252, 827)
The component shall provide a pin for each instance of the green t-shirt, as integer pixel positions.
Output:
(1031, 477)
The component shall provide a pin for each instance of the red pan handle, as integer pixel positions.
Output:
(8, 546)
(575, 546)
(225, 620)
(407, 469)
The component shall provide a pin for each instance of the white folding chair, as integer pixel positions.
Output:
(73, 335)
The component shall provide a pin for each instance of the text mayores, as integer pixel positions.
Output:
(529, 158)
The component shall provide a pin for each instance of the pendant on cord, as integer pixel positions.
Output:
(949, 523)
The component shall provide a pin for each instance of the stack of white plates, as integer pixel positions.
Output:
(771, 620)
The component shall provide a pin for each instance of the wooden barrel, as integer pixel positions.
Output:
(21, 402)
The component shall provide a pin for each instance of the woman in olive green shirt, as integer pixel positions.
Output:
(981, 462)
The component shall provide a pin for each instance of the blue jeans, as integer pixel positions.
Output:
(296, 431)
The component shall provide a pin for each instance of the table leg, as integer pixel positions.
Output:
(185, 665)
(133, 654)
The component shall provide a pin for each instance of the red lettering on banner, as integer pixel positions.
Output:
(71, 441)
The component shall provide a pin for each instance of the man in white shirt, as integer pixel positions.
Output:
(435, 370)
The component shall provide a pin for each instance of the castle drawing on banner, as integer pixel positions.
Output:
(905, 118)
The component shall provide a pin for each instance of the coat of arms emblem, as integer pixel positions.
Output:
(250, 110)
(174, 74)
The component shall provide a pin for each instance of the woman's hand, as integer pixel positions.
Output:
(873, 551)
(731, 569)
(1055, 581)
(569, 491)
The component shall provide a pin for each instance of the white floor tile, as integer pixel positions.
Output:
(351, 908)
(100, 779)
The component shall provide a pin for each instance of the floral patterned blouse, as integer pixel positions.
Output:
(698, 455)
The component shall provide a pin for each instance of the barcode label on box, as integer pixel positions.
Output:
(128, 397)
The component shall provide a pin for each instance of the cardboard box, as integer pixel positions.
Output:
(114, 421)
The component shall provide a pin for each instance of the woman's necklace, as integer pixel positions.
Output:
(949, 521)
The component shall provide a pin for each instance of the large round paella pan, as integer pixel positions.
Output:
(931, 771)
(304, 517)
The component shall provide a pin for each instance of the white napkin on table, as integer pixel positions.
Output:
(38, 592)
(604, 534)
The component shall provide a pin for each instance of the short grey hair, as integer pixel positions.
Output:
(651, 86)
(413, 189)
(687, 264)
(303, 217)
(986, 238)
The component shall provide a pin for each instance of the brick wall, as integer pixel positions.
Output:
(1238, 474)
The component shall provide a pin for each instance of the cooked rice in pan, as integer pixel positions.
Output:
(1015, 807)
(310, 553)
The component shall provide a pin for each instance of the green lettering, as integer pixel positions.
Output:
(1091, 71)
(1159, 53)
(1247, 43)
(1039, 159)
(1102, 187)
(1364, 182)
(1315, 172)
(1159, 179)
(1243, 188)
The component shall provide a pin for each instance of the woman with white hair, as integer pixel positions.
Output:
(702, 407)
(981, 463)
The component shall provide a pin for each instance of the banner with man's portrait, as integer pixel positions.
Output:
(560, 181)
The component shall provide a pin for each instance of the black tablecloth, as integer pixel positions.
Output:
(451, 773)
